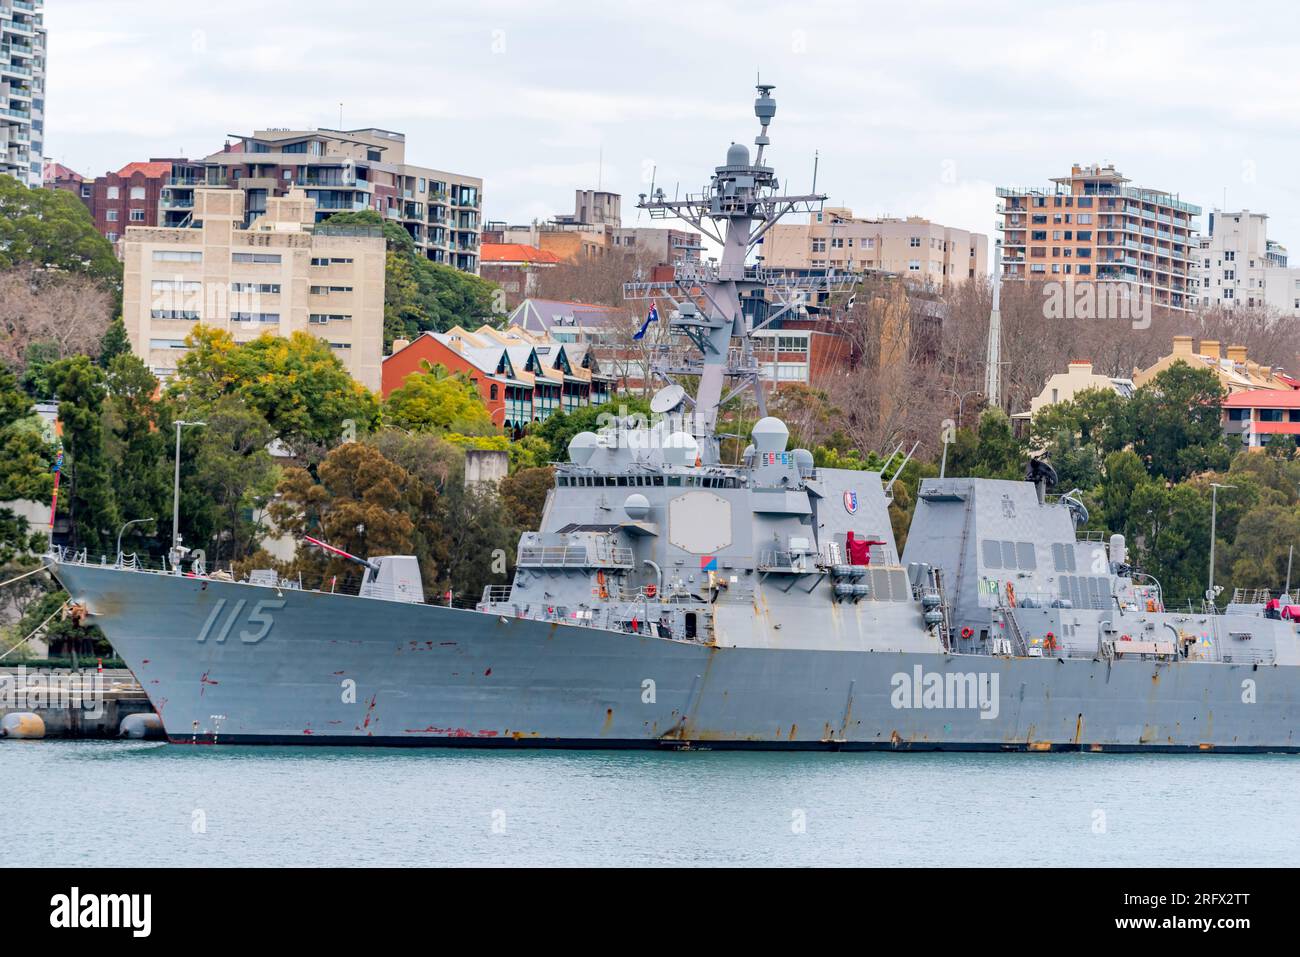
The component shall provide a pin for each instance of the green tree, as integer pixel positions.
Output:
(1173, 423)
(438, 401)
(87, 495)
(359, 502)
(230, 481)
(1260, 555)
(524, 496)
(1174, 538)
(52, 228)
(991, 451)
(296, 384)
(114, 343)
(25, 463)
(137, 425)
(1124, 475)
(1078, 434)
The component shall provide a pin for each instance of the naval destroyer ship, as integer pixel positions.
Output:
(670, 600)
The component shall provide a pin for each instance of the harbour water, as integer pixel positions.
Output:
(152, 804)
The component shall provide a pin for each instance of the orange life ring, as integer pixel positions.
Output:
(967, 632)
(1011, 595)
(1049, 642)
(650, 591)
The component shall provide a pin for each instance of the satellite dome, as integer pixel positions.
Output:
(738, 155)
(582, 447)
(803, 458)
(770, 435)
(748, 455)
(680, 448)
(637, 506)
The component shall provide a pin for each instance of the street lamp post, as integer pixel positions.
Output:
(176, 496)
(125, 526)
(961, 400)
(1214, 517)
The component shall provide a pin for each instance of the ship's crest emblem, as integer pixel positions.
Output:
(851, 502)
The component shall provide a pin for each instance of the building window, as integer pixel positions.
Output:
(321, 318)
(329, 261)
(329, 290)
(914, 242)
(137, 192)
(254, 317)
(137, 215)
(266, 258)
(176, 256)
(111, 193)
(111, 215)
(272, 288)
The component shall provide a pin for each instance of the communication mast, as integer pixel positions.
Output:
(740, 204)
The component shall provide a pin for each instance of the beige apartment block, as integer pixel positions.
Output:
(920, 251)
(344, 171)
(280, 275)
(1092, 226)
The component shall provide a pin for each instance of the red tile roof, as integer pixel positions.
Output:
(152, 170)
(1263, 399)
(55, 171)
(514, 253)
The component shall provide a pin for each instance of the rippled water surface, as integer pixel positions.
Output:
(159, 804)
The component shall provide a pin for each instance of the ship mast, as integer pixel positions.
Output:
(740, 204)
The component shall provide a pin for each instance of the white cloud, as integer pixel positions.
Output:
(914, 108)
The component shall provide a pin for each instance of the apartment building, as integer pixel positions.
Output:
(347, 170)
(1093, 226)
(595, 229)
(1256, 416)
(1238, 265)
(516, 268)
(922, 252)
(131, 196)
(281, 274)
(22, 90)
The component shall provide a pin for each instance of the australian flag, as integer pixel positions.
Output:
(651, 316)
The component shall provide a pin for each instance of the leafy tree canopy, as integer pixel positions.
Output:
(296, 384)
(438, 401)
(52, 228)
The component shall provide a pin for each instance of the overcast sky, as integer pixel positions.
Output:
(915, 108)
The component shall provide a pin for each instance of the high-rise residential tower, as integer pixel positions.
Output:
(22, 89)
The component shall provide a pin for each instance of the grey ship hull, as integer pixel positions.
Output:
(307, 668)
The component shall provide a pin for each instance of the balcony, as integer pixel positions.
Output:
(12, 69)
(20, 28)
